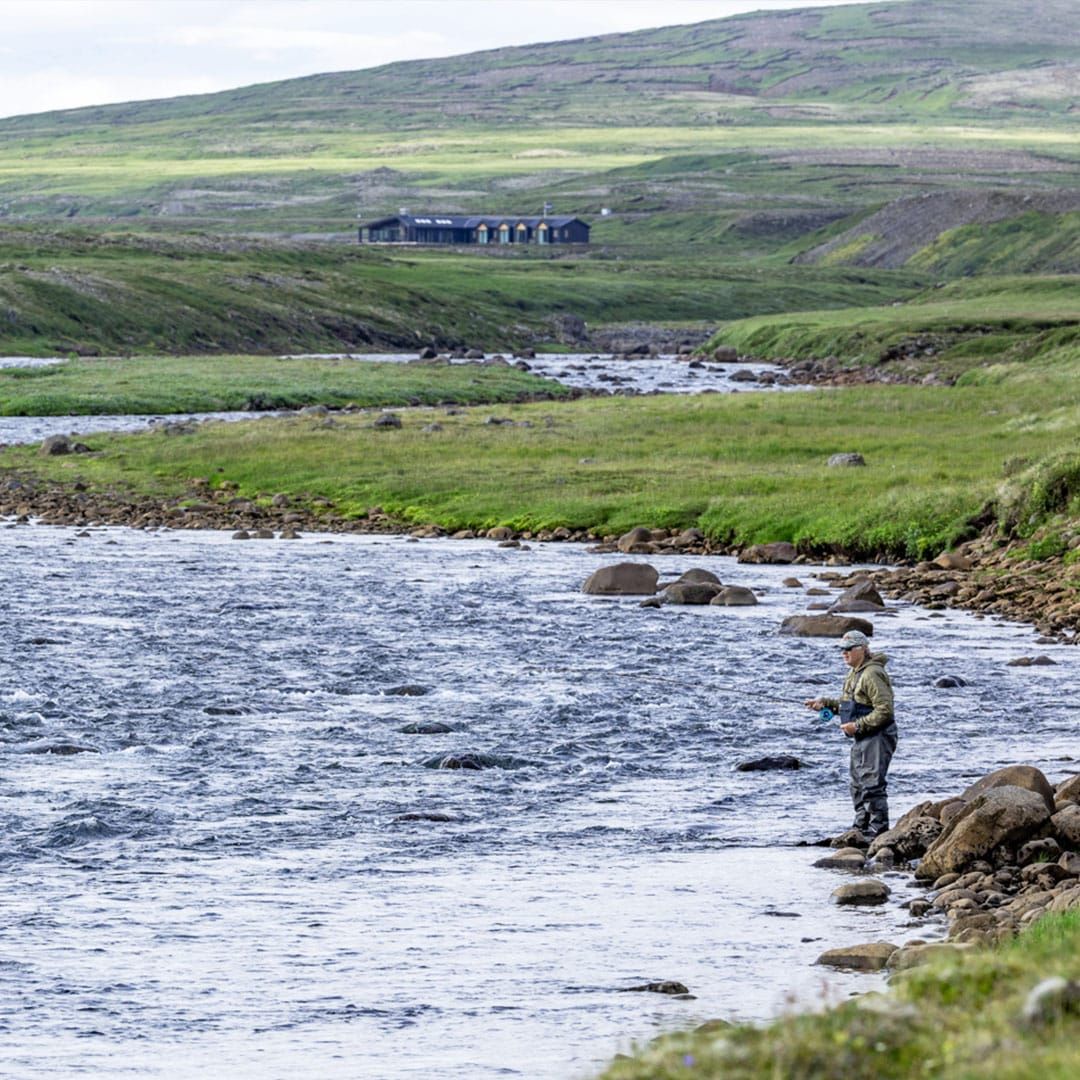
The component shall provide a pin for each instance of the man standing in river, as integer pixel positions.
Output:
(865, 706)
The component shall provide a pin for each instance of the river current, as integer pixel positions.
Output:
(241, 859)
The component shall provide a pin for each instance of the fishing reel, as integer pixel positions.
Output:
(826, 714)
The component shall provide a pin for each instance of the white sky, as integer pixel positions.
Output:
(57, 54)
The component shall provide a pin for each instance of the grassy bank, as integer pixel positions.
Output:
(745, 467)
(74, 290)
(961, 1018)
(170, 384)
(953, 329)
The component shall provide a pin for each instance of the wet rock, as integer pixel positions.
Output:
(776, 762)
(867, 892)
(690, 593)
(500, 532)
(468, 762)
(428, 353)
(241, 534)
(996, 818)
(949, 682)
(851, 858)
(792, 583)
(57, 747)
(426, 727)
(407, 690)
(1032, 661)
(735, 596)
(1068, 790)
(622, 579)
(725, 354)
(699, 577)
(668, 986)
(851, 838)
(873, 956)
(828, 626)
(427, 815)
(846, 460)
(776, 553)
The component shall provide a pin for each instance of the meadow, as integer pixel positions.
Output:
(744, 468)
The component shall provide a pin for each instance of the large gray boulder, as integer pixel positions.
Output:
(622, 579)
(828, 626)
(872, 956)
(735, 596)
(779, 552)
(1021, 776)
(697, 576)
(1000, 817)
(638, 539)
(1068, 790)
(690, 592)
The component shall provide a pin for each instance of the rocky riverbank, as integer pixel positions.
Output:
(995, 858)
(987, 575)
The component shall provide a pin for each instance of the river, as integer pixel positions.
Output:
(253, 870)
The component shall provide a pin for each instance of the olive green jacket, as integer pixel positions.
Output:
(869, 685)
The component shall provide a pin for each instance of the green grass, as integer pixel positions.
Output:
(169, 384)
(77, 290)
(745, 468)
(959, 1019)
(997, 324)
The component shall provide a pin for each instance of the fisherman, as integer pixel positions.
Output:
(866, 716)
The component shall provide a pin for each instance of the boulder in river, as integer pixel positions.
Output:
(666, 986)
(698, 576)
(909, 837)
(769, 764)
(735, 596)
(639, 539)
(828, 626)
(871, 891)
(690, 592)
(622, 579)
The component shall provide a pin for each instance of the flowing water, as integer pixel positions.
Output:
(241, 859)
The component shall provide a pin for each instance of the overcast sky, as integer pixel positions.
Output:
(57, 54)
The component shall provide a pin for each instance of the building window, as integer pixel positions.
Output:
(482, 234)
(504, 234)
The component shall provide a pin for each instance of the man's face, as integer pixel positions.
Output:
(854, 655)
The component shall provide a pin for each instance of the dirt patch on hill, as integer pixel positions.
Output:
(889, 237)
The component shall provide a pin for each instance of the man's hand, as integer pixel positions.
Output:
(817, 704)
(848, 730)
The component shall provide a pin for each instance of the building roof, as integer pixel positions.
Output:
(462, 221)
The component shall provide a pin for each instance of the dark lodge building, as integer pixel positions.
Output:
(459, 229)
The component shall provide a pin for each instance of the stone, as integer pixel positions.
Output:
(844, 859)
(1051, 1000)
(690, 593)
(769, 764)
(667, 986)
(852, 838)
(792, 583)
(952, 560)
(870, 891)
(1039, 851)
(873, 956)
(55, 445)
(1022, 776)
(387, 420)
(725, 354)
(949, 682)
(622, 579)
(778, 552)
(827, 626)
(1068, 790)
(1070, 862)
(428, 353)
(699, 577)
(500, 532)
(909, 956)
(846, 460)
(638, 537)
(1001, 816)
(908, 839)
(241, 534)
(735, 596)
(1067, 826)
